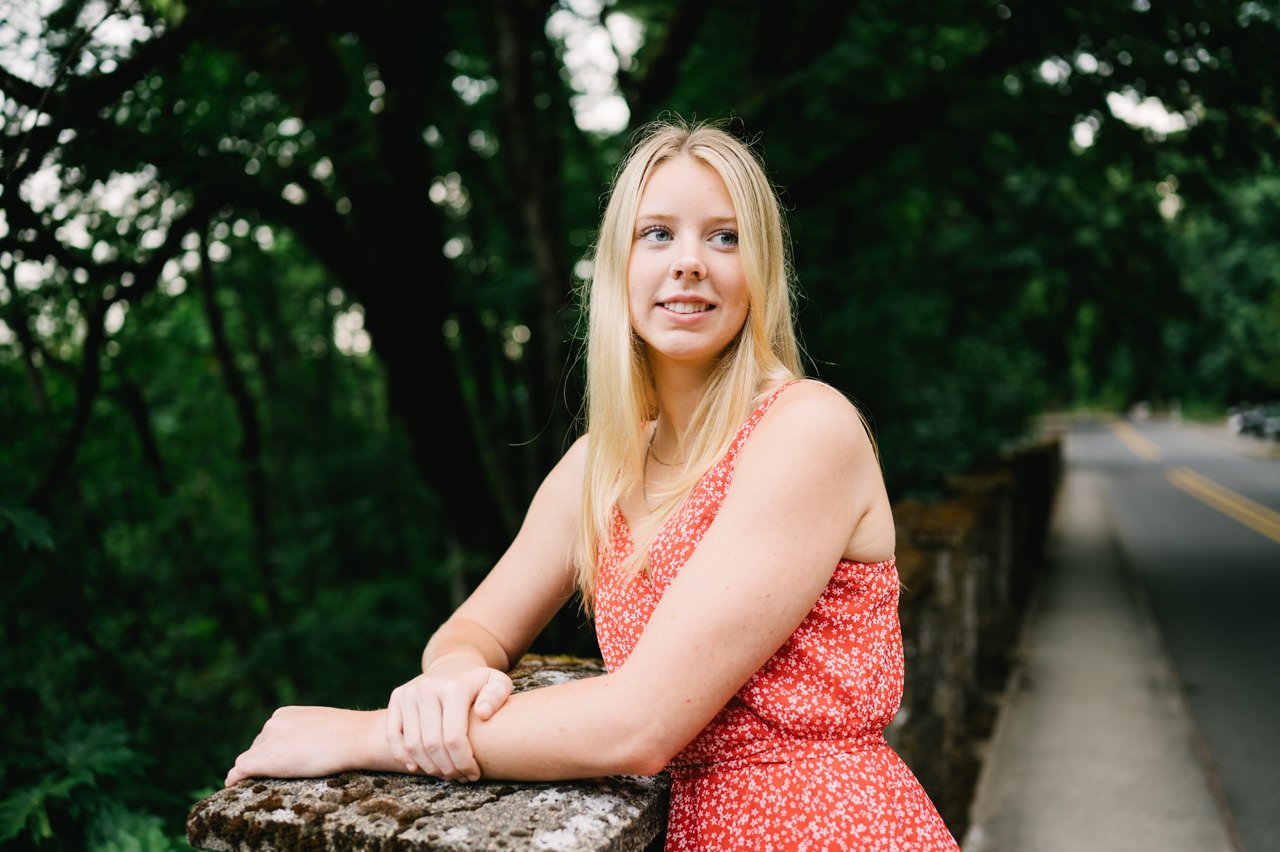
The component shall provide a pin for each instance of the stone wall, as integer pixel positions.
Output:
(967, 566)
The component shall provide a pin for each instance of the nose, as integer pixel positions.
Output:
(688, 266)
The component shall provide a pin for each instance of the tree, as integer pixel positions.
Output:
(287, 303)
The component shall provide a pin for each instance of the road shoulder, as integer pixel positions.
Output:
(1093, 748)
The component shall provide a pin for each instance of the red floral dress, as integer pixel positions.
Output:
(797, 759)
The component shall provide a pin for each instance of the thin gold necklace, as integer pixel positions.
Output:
(650, 451)
(644, 472)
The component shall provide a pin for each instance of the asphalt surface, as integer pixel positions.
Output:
(1209, 563)
(1145, 710)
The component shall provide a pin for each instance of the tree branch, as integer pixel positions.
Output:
(135, 405)
(23, 91)
(17, 316)
(246, 409)
(663, 60)
(89, 378)
(88, 383)
(534, 168)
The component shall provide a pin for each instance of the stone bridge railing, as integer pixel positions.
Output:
(967, 565)
(408, 813)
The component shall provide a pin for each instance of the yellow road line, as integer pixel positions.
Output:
(1141, 445)
(1253, 515)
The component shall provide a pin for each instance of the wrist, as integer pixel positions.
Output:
(456, 659)
(369, 743)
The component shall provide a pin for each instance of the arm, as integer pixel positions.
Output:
(803, 485)
(528, 585)
(464, 663)
(802, 488)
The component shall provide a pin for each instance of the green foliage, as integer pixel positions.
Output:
(116, 829)
(978, 229)
(287, 305)
(75, 784)
(1231, 271)
(27, 528)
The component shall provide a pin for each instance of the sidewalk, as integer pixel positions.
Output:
(1094, 748)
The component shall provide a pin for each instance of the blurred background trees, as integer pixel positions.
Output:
(288, 323)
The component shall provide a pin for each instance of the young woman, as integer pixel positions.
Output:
(726, 523)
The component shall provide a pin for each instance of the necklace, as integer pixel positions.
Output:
(650, 451)
(644, 472)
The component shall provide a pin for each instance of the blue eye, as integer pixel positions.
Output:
(726, 239)
(656, 234)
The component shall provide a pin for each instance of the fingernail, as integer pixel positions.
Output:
(411, 767)
(484, 708)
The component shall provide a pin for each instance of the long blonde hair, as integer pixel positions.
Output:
(620, 391)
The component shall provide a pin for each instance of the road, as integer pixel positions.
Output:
(1197, 513)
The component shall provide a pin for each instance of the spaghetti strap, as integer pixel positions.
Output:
(744, 431)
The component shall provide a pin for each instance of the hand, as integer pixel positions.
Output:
(305, 742)
(427, 718)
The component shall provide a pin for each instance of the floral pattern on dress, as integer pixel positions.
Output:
(797, 758)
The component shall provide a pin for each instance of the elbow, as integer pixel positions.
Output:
(643, 757)
(645, 741)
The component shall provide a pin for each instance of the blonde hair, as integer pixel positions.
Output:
(620, 391)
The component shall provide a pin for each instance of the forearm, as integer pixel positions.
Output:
(459, 638)
(554, 733)
(580, 729)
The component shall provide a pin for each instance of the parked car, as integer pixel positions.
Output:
(1261, 420)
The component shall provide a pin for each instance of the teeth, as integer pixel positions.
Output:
(687, 307)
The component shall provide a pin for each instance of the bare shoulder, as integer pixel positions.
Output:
(565, 479)
(820, 397)
(575, 458)
(814, 440)
(814, 418)
(559, 498)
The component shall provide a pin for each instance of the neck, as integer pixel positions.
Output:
(678, 392)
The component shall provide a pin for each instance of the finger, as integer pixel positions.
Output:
(493, 694)
(431, 741)
(395, 734)
(453, 729)
(240, 771)
(418, 758)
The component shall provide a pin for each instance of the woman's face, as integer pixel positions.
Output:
(686, 290)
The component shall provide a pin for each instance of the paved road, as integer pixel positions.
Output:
(1197, 515)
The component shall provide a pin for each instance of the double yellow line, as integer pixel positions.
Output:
(1140, 444)
(1253, 515)
(1236, 506)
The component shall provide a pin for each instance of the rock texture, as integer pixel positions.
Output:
(375, 811)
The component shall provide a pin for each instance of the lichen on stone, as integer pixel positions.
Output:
(391, 812)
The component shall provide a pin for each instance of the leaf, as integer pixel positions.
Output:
(93, 750)
(17, 808)
(28, 527)
(173, 11)
(27, 805)
(118, 829)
